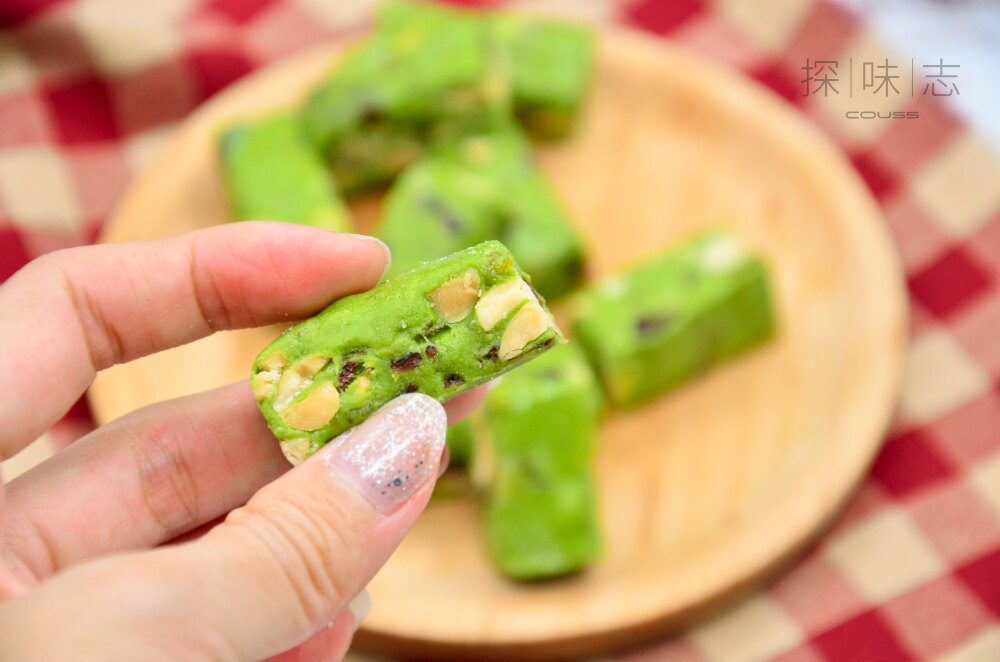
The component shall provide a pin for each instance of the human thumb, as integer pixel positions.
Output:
(273, 573)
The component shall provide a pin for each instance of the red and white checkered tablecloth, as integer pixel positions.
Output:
(911, 571)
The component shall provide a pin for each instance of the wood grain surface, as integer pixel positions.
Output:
(702, 493)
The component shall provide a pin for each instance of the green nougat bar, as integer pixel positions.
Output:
(368, 159)
(551, 64)
(538, 442)
(427, 73)
(436, 208)
(448, 65)
(460, 442)
(440, 329)
(673, 316)
(537, 229)
(480, 187)
(540, 234)
(273, 173)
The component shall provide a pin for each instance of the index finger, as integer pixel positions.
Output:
(74, 312)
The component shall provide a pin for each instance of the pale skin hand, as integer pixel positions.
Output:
(85, 572)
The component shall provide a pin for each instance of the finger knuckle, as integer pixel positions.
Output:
(166, 481)
(105, 344)
(208, 295)
(307, 547)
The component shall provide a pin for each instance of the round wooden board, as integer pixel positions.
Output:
(702, 493)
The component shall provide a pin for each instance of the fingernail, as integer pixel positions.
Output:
(393, 453)
(360, 607)
(385, 249)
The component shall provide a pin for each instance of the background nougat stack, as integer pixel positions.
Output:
(426, 74)
(483, 186)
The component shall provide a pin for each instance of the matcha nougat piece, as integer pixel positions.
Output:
(273, 173)
(673, 316)
(535, 436)
(483, 186)
(540, 234)
(427, 73)
(440, 329)
(551, 65)
(435, 208)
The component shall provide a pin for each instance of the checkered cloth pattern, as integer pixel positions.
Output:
(911, 571)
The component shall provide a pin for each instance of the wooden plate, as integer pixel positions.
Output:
(703, 493)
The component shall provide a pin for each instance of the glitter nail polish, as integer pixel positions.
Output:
(389, 456)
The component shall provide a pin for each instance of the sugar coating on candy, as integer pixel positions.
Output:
(331, 372)
(273, 173)
(673, 316)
